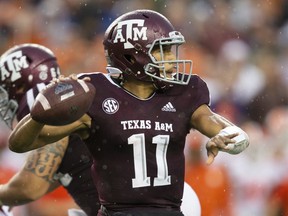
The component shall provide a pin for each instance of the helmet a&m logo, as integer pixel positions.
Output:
(14, 63)
(135, 30)
(110, 105)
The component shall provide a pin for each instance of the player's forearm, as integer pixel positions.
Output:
(208, 122)
(24, 136)
(21, 189)
(13, 196)
(215, 124)
(29, 134)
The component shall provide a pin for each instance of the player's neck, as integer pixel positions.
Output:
(142, 90)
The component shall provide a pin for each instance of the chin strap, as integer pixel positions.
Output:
(162, 86)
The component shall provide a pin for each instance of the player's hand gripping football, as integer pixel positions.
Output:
(63, 101)
(72, 76)
(218, 143)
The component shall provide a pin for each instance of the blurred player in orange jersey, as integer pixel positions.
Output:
(277, 203)
(276, 123)
(211, 183)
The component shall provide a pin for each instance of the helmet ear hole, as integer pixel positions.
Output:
(129, 58)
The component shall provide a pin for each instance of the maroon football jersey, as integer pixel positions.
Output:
(74, 172)
(137, 145)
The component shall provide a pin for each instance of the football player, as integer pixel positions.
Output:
(25, 69)
(142, 111)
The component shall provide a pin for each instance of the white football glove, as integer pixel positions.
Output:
(242, 140)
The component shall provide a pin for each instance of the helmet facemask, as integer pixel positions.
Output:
(8, 108)
(157, 69)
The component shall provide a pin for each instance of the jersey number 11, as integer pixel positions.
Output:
(141, 179)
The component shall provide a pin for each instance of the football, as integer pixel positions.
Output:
(63, 102)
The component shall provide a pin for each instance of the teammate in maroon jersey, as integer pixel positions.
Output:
(25, 69)
(136, 127)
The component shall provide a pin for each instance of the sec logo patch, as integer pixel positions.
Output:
(110, 105)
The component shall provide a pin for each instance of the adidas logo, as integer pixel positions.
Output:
(168, 108)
